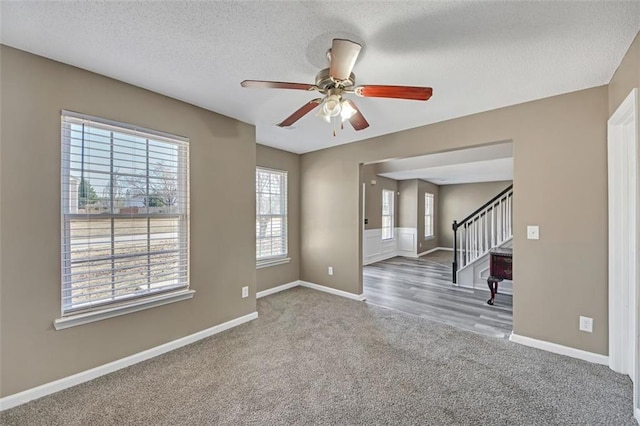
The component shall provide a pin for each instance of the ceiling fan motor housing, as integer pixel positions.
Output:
(325, 83)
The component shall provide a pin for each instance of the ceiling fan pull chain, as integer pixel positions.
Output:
(335, 121)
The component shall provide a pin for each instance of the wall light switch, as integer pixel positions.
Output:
(330, 270)
(245, 292)
(533, 232)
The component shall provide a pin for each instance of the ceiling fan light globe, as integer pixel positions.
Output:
(346, 111)
(321, 114)
(331, 106)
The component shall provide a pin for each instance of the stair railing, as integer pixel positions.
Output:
(486, 228)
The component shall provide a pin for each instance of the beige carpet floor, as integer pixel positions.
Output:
(313, 358)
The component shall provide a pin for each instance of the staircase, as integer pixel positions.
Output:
(488, 227)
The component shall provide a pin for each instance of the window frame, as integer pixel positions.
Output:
(429, 214)
(280, 258)
(386, 236)
(73, 314)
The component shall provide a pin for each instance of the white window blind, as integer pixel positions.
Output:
(271, 214)
(387, 214)
(428, 215)
(125, 213)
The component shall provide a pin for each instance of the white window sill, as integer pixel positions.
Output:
(114, 311)
(430, 237)
(388, 239)
(272, 262)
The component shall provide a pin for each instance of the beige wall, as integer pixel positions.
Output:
(373, 196)
(458, 201)
(411, 201)
(559, 161)
(408, 203)
(34, 91)
(425, 244)
(272, 158)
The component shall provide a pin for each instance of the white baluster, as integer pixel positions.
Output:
(486, 229)
(493, 226)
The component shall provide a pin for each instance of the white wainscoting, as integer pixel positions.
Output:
(407, 242)
(374, 249)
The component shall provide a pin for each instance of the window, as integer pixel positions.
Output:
(428, 215)
(271, 216)
(387, 214)
(125, 215)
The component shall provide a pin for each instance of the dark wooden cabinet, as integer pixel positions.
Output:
(500, 264)
(500, 268)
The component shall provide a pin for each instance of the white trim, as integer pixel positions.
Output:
(313, 286)
(115, 311)
(67, 382)
(128, 126)
(638, 415)
(375, 249)
(407, 242)
(358, 297)
(434, 250)
(277, 289)
(624, 276)
(560, 349)
(272, 262)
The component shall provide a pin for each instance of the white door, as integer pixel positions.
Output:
(624, 287)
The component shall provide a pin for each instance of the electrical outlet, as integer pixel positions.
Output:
(245, 292)
(420, 244)
(330, 270)
(533, 232)
(586, 324)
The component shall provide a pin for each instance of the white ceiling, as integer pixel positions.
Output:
(483, 164)
(477, 56)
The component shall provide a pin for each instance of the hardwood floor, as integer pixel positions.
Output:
(423, 287)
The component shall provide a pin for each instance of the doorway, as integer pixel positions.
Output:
(624, 286)
(408, 207)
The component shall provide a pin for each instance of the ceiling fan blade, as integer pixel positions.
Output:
(260, 84)
(357, 120)
(398, 92)
(343, 57)
(304, 110)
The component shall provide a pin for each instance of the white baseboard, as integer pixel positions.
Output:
(560, 349)
(638, 415)
(67, 382)
(313, 286)
(359, 297)
(434, 250)
(277, 289)
(379, 258)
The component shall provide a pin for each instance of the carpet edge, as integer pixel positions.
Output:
(25, 396)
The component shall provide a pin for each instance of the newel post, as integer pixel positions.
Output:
(455, 250)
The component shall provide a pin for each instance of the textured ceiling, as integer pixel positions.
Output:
(476, 55)
(478, 171)
(481, 164)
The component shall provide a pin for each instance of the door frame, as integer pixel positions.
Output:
(624, 285)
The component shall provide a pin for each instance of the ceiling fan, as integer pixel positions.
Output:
(334, 82)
